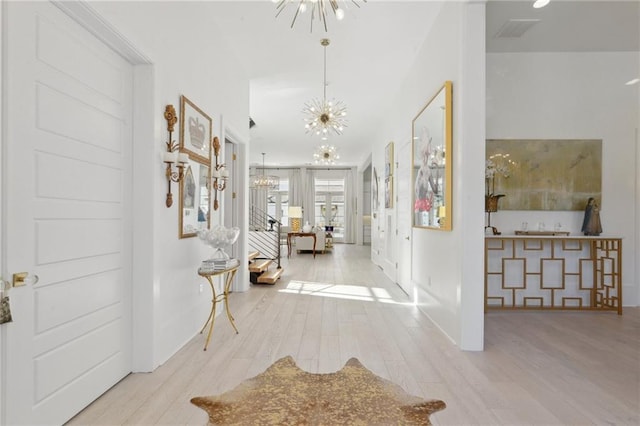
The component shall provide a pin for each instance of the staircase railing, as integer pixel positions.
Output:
(264, 234)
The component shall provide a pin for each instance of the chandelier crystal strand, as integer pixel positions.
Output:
(319, 9)
(323, 117)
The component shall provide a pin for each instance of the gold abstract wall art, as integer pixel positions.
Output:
(548, 174)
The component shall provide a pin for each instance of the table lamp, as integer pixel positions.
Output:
(295, 218)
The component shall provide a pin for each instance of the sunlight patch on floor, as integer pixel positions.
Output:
(341, 291)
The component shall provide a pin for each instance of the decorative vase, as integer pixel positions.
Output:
(218, 238)
(307, 228)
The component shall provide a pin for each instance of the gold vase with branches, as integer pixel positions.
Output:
(492, 170)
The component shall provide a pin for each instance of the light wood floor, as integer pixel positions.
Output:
(576, 368)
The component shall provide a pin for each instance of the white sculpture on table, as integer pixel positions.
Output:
(218, 238)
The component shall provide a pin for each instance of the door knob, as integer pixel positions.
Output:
(406, 238)
(20, 279)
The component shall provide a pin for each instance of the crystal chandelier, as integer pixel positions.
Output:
(262, 181)
(319, 9)
(326, 154)
(322, 116)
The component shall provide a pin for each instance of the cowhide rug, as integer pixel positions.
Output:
(286, 395)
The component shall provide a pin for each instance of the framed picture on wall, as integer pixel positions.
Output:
(388, 175)
(195, 131)
(432, 162)
(544, 174)
(374, 190)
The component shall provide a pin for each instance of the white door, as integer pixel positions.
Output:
(403, 219)
(67, 197)
(229, 195)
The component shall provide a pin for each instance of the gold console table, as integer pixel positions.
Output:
(553, 272)
(228, 274)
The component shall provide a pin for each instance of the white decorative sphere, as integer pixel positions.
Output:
(219, 236)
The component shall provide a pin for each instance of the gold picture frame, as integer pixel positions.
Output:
(545, 174)
(195, 131)
(431, 162)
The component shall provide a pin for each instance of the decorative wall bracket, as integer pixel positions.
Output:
(172, 155)
(219, 174)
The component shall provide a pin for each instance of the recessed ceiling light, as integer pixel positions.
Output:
(540, 3)
(632, 82)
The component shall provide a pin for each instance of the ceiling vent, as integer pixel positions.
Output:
(514, 28)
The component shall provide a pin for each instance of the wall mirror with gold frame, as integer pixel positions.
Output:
(195, 197)
(431, 162)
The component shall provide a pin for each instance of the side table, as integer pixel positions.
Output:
(228, 274)
(300, 234)
(328, 240)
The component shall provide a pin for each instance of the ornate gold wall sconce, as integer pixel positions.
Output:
(172, 156)
(219, 174)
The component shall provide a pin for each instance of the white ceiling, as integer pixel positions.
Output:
(371, 51)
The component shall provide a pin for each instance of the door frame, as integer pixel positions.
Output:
(408, 286)
(239, 179)
(144, 157)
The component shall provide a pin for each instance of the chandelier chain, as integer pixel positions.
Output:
(324, 86)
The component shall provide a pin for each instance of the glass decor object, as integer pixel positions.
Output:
(219, 237)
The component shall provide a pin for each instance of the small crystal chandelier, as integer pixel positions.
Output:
(262, 181)
(319, 9)
(322, 116)
(326, 154)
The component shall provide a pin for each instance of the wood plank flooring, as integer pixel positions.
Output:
(543, 368)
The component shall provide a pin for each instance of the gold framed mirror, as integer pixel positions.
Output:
(432, 163)
(195, 199)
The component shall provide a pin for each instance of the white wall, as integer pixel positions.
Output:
(446, 266)
(2, 139)
(574, 96)
(195, 63)
(637, 245)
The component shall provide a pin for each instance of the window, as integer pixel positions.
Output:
(278, 202)
(329, 205)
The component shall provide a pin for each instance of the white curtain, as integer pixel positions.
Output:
(349, 207)
(257, 199)
(296, 189)
(309, 197)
